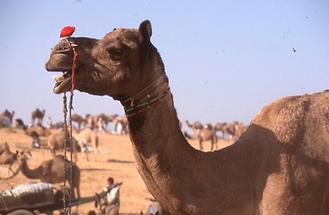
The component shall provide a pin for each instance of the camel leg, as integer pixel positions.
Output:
(215, 142)
(200, 144)
(53, 152)
(212, 145)
(95, 144)
(75, 151)
(87, 156)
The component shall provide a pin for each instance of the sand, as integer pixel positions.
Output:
(116, 159)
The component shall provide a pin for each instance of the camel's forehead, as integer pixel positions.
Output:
(124, 35)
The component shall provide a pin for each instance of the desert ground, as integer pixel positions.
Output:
(115, 159)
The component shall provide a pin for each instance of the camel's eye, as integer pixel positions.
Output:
(115, 53)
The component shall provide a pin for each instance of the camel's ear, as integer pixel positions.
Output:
(145, 31)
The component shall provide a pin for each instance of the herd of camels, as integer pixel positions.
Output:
(279, 164)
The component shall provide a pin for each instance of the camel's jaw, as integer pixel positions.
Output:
(62, 82)
(60, 62)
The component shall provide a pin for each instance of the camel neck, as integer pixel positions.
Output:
(29, 173)
(158, 145)
(173, 171)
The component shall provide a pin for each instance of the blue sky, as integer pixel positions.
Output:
(225, 59)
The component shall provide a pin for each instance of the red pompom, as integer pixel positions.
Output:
(67, 31)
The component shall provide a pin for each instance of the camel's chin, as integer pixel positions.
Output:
(62, 86)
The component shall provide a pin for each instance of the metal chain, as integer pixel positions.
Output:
(70, 139)
(71, 147)
(65, 141)
(67, 209)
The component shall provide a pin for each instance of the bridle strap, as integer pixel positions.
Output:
(144, 99)
(144, 105)
(132, 99)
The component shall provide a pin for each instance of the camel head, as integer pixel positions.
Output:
(4, 147)
(24, 155)
(115, 65)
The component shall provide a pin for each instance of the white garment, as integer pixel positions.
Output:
(112, 197)
(119, 128)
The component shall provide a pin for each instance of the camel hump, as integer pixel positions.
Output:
(298, 120)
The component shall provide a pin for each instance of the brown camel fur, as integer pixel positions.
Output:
(37, 115)
(51, 171)
(280, 165)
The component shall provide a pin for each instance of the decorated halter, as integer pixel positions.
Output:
(66, 33)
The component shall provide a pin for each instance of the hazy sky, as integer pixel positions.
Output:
(225, 59)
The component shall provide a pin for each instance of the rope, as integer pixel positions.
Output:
(74, 65)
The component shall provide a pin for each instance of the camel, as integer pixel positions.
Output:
(51, 171)
(120, 125)
(20, 124)
(98, 122)
(239, 128)
(37, 115)
(85, 138)
(38, 129)
(102, 120)
(279, 165)
(6, 118)
(203, 133)
(78, 119)
(56, 141)
(6, 156)
(3, 147)
(233, 130)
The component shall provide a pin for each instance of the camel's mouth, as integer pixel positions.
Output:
(63, 82)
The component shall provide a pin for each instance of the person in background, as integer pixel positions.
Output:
(36, 142)
(110, 198)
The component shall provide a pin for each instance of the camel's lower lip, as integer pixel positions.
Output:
(63, 83)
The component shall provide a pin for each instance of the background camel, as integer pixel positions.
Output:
(78, 119)
(20, 124)
(56, 142)
(203, 133)
(6, 118)
(6, 156)
(38, 129)
(87, 138)
(3, 147)
(51, 171)
(120, 125)
(37, 116)
(280, 165)
(104, 120)
(230, 130)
